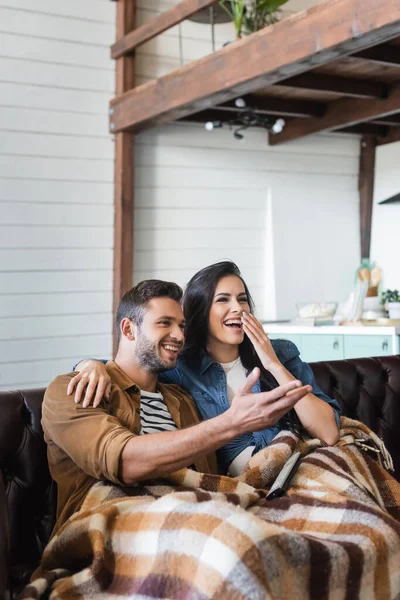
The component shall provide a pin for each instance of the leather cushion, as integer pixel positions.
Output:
(29, 489)
(367, 389)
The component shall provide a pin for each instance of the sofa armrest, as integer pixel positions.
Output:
(3, 540)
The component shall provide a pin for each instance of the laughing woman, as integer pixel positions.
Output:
(223, 343)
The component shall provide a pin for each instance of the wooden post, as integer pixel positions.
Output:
(366, 188)
(123, 168)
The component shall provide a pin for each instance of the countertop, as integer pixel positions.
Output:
(293, 328)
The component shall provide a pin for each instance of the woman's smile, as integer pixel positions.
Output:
(234, 325)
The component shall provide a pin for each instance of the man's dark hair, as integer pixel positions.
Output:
(134, 301)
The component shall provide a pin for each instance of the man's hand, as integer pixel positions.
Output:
(252, 412)
(92, 379)
(262, 345)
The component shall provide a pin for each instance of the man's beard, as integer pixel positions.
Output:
(147, 355)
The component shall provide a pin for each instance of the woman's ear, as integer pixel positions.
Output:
(128, 329)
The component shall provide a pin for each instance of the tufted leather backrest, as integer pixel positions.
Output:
(29, 490)
(3, 540)
(368, 389)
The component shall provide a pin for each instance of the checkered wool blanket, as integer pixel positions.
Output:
(335, 535)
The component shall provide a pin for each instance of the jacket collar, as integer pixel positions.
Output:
(120, 377)
(205, 362)
(124, 382)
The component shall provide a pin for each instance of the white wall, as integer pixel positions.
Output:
(385, 249)
(288, 215)
(56, 190)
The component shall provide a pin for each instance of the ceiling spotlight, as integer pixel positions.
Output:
(211, 125)
(278, 126)
(240, 103)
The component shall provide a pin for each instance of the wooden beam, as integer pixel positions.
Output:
(384, 54)
(342, 113)
(212, 114)
(366, 190)
(127, 44)
(306, 40)
(392, 137)
(123, 170)
(392, 121)
(356, 88)
(278, 106)
(366, 129)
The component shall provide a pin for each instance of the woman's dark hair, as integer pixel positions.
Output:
(197, 301)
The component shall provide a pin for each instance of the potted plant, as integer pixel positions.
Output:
(249, 16)
(391, 302)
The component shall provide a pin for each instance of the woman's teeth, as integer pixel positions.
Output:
(234, 323)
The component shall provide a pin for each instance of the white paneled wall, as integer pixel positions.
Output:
(288, 215)
(386, 217)
(56, 186)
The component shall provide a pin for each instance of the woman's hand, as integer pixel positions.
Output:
(255, 332)
(94, 377)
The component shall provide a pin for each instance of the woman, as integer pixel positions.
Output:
(223, 343)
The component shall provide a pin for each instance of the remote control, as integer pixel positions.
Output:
(281, 483)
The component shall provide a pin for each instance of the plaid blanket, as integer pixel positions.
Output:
(335, 535)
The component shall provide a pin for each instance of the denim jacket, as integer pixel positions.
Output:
(208, 388)
(207, 385)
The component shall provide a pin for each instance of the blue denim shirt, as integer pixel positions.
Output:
(209, 390)
(207, 385)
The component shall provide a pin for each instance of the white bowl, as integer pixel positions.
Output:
(316, 310)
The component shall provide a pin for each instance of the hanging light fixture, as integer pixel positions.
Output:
(245, 118)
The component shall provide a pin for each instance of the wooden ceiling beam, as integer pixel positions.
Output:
(278, 106)
(175, 15)
(211, 114)
(356, 88)
(390, 138)
(392, 121)
(385, 54)
(340, 114)
(306, 40)
(366, 129)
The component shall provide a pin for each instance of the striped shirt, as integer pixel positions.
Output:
(154, 413)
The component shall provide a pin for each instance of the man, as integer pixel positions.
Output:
(89, 444)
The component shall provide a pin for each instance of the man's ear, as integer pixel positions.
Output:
(128, 329)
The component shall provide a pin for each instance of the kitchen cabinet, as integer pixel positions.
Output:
(335, 343)
(360, 346)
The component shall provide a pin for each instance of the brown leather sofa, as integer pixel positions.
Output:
(367, 389)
